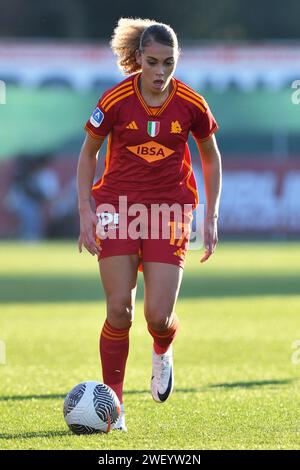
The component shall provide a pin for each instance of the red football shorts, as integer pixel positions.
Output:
(157, 236)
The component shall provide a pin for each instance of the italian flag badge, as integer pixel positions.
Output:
(153, 128)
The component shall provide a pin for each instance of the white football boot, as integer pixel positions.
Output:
(162, 375)
(120, 424)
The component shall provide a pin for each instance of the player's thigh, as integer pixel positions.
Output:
(161, 285)
(119, 280)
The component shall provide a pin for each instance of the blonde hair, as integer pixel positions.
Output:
(132, 34)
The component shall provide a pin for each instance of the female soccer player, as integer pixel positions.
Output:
(147, 118)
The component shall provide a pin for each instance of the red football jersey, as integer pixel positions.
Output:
(148, 159)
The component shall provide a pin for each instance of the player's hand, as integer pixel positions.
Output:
(87, 237)
(210, 237)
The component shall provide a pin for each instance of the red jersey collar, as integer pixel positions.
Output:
(143, 102)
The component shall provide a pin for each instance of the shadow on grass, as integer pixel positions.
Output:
(32, 435)
(258, 383)
(33, 289)
(62, 396)
(33, 397)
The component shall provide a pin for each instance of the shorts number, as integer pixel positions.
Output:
(184, 227)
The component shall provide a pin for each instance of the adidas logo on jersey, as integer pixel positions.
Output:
(132, 125)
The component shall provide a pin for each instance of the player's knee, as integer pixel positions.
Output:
(158, 319)
(120, 311)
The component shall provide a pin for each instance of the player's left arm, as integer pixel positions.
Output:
(212, 174)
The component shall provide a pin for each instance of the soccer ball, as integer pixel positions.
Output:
(91, 407)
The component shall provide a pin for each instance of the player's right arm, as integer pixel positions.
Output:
(99, 125)
(85, 177)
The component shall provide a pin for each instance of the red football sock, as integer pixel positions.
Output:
(114, 347)
(163, 338)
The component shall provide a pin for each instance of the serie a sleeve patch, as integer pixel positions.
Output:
(97, 117)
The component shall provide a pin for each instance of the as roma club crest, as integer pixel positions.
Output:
(153, 128)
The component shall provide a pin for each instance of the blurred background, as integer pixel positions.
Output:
(238, 351)
(55, 62)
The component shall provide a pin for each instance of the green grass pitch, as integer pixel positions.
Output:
(236, 385)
